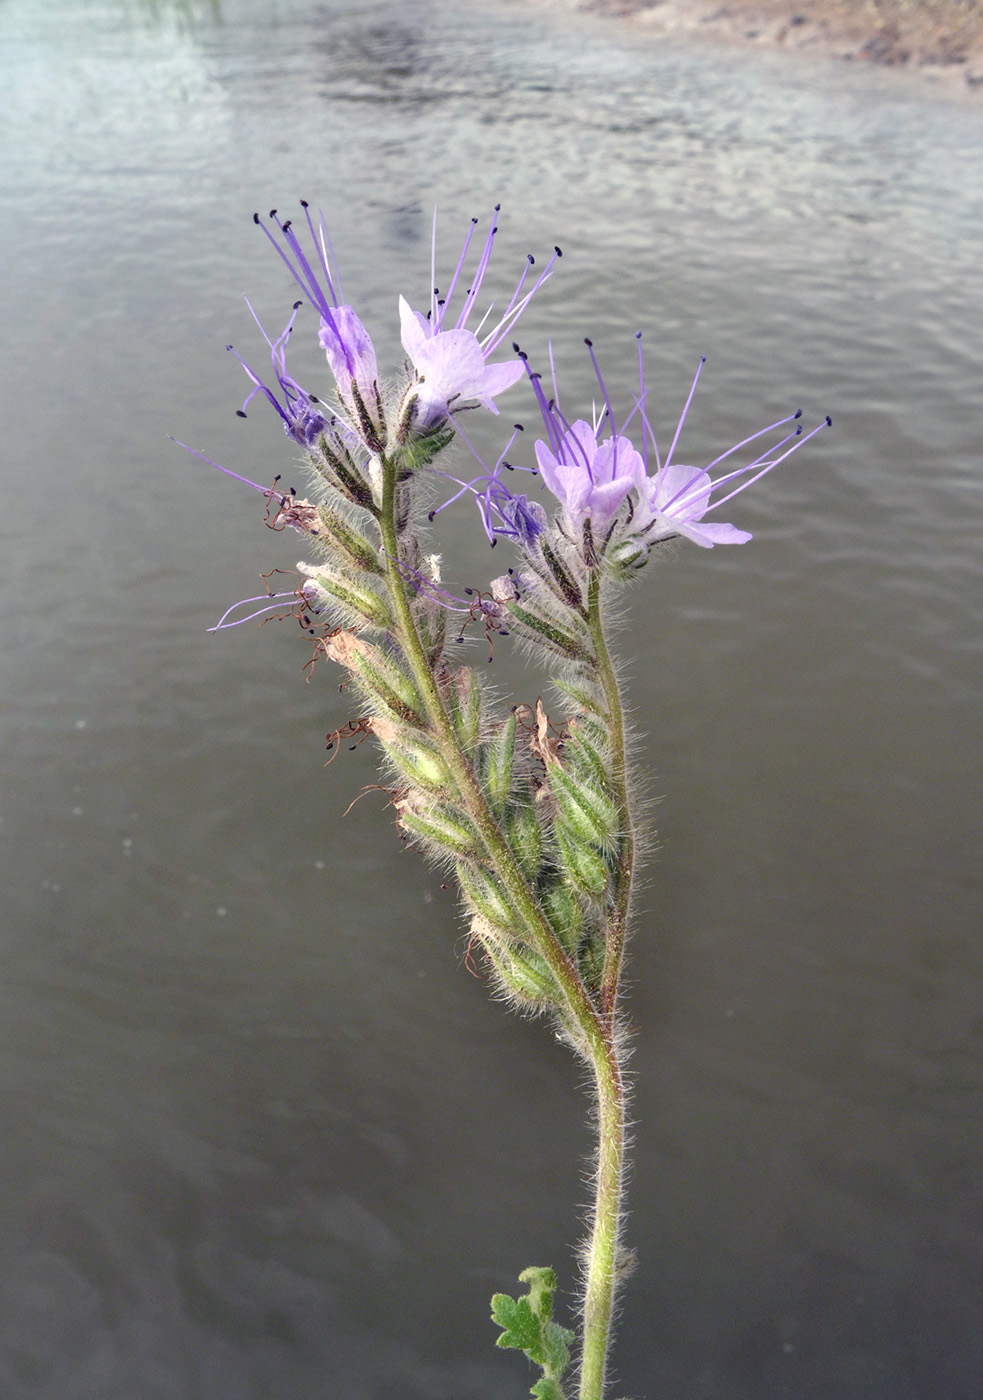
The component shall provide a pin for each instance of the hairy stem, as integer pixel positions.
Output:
(614, 945)
(596, 1025)
(582, 1010)
(602, 1250)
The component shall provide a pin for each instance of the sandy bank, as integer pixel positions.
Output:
(941, 38)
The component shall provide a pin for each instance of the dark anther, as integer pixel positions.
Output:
(298, 305)
(588, 342)
(494, 543)
(474, 221)
(287, 225)
(797, 433)
(797, 413)
(498, 208)
(304, 204)
(829, 421)
(508, 466)
(314, 398)
(430, 516)
(558, 252)
(469, 592)
(638, 335)
(518, 427)
(703, 359)
(255, 218)
(530, 259)
(239, 413)
(272, 213)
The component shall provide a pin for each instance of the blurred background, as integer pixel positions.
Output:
(264, 1136)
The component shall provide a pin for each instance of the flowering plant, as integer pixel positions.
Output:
(535, 818)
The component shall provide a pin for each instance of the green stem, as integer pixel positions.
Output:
(602, 1252)
(614, 944)
(596, 1026)
(582, 1009)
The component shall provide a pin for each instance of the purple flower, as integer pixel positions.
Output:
(592, 480)
(588, 478)
(676, 498)
(451, 362)
(302, 418)
(345, 341)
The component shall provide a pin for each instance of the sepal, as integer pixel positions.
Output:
(583, 864)
(358, 551)
(440, 825)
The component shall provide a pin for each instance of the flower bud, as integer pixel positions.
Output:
(358, 551)
(439, 825)
(486, 896)
(582, 863)
(590, 814)
(525, 838)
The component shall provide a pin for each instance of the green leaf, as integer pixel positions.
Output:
(521, 1327)
(527, 1325)
(547, 1389)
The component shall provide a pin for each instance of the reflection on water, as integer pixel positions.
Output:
(260, 1125)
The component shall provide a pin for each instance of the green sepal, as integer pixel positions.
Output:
(584, 758)
(357, 550)
(485, 893)
(390, 686)
(591, 814)
(582, 697)
(421, 765)
(567, 584)
(528, 1326)
(419, 451)
(543, 630)
(360, 600)
(524, 973)
(443, 827)
(565, 914)
(583, 864)
(525, 838)
(465, 707)
(340, 470)
(500, 766)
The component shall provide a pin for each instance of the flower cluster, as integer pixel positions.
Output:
(534, 818)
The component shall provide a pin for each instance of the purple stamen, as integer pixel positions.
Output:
(682, 416)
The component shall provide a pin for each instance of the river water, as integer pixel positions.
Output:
(263, 1133)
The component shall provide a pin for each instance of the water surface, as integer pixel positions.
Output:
(264, 1136)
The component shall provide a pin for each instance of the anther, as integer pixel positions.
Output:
(304, 204)
(829, 421)
(588, 342)
(255, 218)
(558, 252)
(298, 305)
(272, 213)
(797, 413)
(239, 413)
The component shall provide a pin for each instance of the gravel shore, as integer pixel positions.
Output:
(941, 38)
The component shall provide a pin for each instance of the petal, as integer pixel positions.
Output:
(682, 493)
(708, 535)
(496, 379)
(415, 330)
(451, 362)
